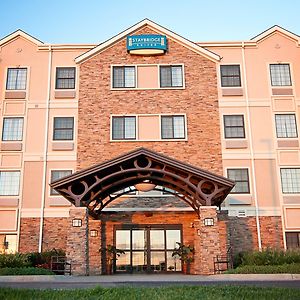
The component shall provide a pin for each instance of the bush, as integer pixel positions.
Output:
(259, 269)
(25, 271)
(268, 257)
(17, 260)
(43, 259)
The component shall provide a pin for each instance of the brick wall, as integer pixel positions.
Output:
(29, 235)
(199, 100)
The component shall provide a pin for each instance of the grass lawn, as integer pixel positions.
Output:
(180, 292)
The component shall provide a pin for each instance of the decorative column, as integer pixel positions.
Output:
(77, 240)
(94, 247)
(207, 240)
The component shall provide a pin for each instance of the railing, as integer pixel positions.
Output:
(223, 262)
(60, 265)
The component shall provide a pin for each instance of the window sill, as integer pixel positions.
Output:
(11, 146)
(240, 199)
(232, 91)
(5, 201)
(159, 140)
(64, 94)
(291, 199)
(14, 94)
(62, 146)
(143, 89)
(236, 144)
(282, 91)
(288, 143)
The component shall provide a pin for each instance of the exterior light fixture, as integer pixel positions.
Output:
(145, 186)
(208, 222)
(94, 233)
(77, 223)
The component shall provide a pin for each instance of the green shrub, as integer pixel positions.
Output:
(25, 271)
(275, 269)
(17, 260)
(267, 257)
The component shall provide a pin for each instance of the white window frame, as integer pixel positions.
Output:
(124, 116)
(159, 120)
(2, 132)
(19, 188)
(249, 180)
(220, 76)
(27, 78)
(270, 76)
(244, 125)
(76, 78)
(296, 125)
(281, 182)
(50, 179)
(136, 77)
(74, 128)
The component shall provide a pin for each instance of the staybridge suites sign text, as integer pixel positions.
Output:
(147, 41)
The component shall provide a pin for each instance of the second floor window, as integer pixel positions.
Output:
(123, 77)
(124, 128)
(9, 183)
(58, 174)
(63, 128)
(65, 78)
(171, 76)
(234, 126)
(12, 129)
(172, 127)
(241, 178)
(280, 75)
(286, 126)
(230, 76)
(16, 79)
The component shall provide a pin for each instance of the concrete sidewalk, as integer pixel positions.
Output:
(151, 278)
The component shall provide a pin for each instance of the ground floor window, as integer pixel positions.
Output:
(147, 248)
(292, 240)
(8, 243)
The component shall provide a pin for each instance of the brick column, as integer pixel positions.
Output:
(207, 241)
(77, 241)
(94, 246)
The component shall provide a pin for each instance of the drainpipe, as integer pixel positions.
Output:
(251, 150)
(45, 155)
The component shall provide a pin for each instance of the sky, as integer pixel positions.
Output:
(92, 21)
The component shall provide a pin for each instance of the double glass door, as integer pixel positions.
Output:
(147, 249)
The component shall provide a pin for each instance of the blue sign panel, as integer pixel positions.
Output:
(147, 41)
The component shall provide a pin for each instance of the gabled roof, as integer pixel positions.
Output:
(146, 22)
(272, 30)
(23, 34)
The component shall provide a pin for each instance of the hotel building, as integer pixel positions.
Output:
(149, 139)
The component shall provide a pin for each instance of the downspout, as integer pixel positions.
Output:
(45, 155)
(251, 150)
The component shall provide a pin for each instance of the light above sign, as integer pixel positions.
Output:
(147, 44)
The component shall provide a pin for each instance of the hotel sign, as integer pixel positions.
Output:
(147, 44)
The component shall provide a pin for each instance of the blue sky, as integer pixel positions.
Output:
(92, 21)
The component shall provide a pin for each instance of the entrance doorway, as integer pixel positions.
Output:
(148, 248)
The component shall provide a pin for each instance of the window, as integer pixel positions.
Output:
(123, 128)
(292, 240)
(9, 183)
(55, 175)
(171, 76)
(172, 127)
(286, 126)
(65, 78)
(8, 243)
(63, 128)
(230, 76)
(16, 79)
(280, 75)
(123, 77)
(290, 180)
(241, 178)
(234, 126)
(12, 129)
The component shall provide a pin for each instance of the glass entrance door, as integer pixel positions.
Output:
(148, 249)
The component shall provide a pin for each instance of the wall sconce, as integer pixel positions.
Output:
(208, 222)
(94, 233)
(192, 225)
(77, 223)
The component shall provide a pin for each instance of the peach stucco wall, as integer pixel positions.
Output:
(148, 127)
(147, 77)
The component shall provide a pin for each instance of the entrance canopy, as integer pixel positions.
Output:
(98, 186)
